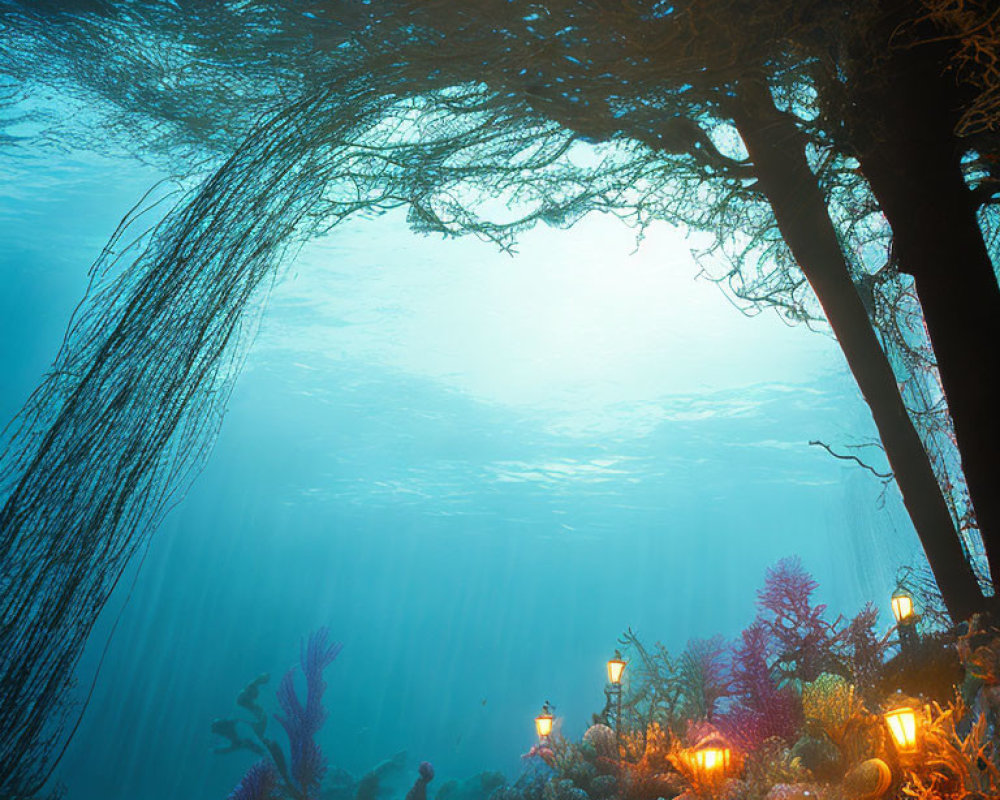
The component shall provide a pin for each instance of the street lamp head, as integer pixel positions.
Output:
(904, 725)
(543, 722)
(902, 607)
(616, 666)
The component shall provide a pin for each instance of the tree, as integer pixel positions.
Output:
(903, 127)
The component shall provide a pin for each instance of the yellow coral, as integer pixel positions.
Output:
(773, 763)
(830, 703)
(952, 765)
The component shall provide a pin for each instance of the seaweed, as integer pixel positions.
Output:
(228, 727)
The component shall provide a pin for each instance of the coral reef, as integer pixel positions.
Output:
(304, 773)
(801, 706)
(761, 709)
(302, 721)
(795, 709)
(300, 775)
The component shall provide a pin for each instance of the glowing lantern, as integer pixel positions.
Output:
(709, 761)
(616, 666)
(708, 765)
(902, 607)
(902, 724)
(543, 722)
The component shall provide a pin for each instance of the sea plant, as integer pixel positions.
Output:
(831, 705)
(773, 765)
(229, 727)
(704, 677)
(954, 765)
(259, 783)
(793, 733)
(761, 709)
(803, 640)
(299, 775)
(652, 775)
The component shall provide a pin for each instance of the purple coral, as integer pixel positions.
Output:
(761, 710)
(804, 639)
(258, 784)
(303, 721)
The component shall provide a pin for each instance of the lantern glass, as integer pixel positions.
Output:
(543, 724)
(616, 666)
(902, 724)
(712, 759)
(902, 607)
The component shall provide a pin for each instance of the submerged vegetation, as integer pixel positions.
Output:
(785, 129)
(802, 705)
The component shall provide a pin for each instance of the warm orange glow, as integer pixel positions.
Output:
(902, 724)
(712, 759)
(902, 607)
(543, 722)
(616, 666)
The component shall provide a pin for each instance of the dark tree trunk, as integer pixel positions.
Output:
(777, 150)
(904, 129)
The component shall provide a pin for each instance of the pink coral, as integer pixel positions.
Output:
(541, 751)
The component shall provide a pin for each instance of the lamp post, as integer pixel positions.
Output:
(543, 722)
(906, 622)
(616, 668)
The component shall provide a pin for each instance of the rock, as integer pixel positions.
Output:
(868, 780)
(820, 757)
(478, 787)
(602, 739)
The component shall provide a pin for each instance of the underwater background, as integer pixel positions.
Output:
(477, 471)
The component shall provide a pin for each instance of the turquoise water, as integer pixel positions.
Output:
(477, 471)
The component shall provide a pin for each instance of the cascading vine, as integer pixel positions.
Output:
(126, 416)
(130, 409)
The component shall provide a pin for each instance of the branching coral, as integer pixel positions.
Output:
(953, 765)
(259, 783)
(651, 774)
(703, 677)
(302, 721)
(773, 765)
(299, 776)
(831, 704)
(761, 709)
(804, 640)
